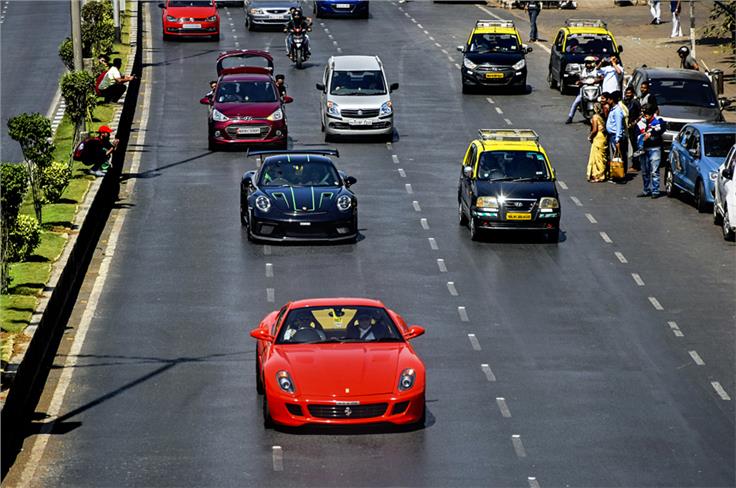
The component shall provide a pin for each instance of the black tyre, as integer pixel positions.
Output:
(462, 218)
(167, 38)
(211, 145)
(267, 420)
(316, 11)
(553, 235)
(700, 203)
(717, 219)
(551, 80)
(259, 382)
(474, 233)
(728, 233)
(669, 183)
(422, 420)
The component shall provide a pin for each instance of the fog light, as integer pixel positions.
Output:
(267, 229)
(218, 133)
(343, 230)
(279, 133)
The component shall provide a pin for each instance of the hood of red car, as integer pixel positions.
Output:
(344, 370)
(191, 12)
(257, 110)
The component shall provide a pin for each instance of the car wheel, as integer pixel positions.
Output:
(551, 80)
(243, 219)
(423, 419)
(249, 24)
(215, 37)
(553, 235)
(669, 183)
(211, 146)
(700, 203)
(316, 11)
(267, 420)
(462, 219)
(728, 232)
(717, 219)
(467, 88)
(562, 87)
(167, 38)
(259, 382)
(474, 233)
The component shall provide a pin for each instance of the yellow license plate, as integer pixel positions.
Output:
(518, 216)
(494, 75)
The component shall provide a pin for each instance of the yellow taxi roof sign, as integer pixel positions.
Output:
(586, 23)
(508, 135)
(484, 23)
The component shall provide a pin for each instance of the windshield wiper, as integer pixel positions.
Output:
(506, 178)
(534, 178)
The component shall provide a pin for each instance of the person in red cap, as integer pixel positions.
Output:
(103, 151)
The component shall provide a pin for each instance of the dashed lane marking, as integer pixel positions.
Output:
(590, 218)
(433, 243)
(474, 342)
(395, 158)
(498, 109)
(416, 206)
(533, 483)
(503, 407)
(655, 303)
(490, 100)
(463, 314)
(637, 279)
(451, 288)
(269, 270)
(278, 458)
(389, 146)
(270, 295)
(441, 265)
(409, 189)
(675, 328)
(457, 66)
(431, 38)
(621, 257)
(518, 445)
(266, 250)
(576, 201)
(339, 50)
(719, 389)
(420, 26)
(696, 358)
(402, 173)
(424, 223)
(563, 185)
(438, 44)
(488, 372)
(444, 51)
(508, 122)
(605, 238)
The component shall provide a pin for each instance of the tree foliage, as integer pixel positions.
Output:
(23, 238)
(98, 29)
(722, 19)
(66, 53)
(14, 184)
(53, 180)
(78, 90)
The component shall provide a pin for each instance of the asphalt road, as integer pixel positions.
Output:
(30, 34)
(574, 375)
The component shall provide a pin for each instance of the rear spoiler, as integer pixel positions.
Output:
(274, 152)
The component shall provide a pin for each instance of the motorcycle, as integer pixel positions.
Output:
(299, 47)
(590, 90)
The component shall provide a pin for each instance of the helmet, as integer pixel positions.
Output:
(683, 51)
(297, 12)
(590, 59)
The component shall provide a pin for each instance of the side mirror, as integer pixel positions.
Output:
(461, 49)
(261, 335)
(414, 332)
(694, 152)
(205, 100)
(248, 179)
(620, 49)
(320, 87)
(724, 102)
(393, 87)
(529, 49)
(350, 181)
(288, 99)
(727, 173)
(467, 171)
(161, 5)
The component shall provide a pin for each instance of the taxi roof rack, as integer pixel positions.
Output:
(493, 23)
(586, 23)
(509, 135)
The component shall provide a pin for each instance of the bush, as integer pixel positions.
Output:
(14, 184)
(23, 238)
(54, 179)
(78, 90)
(98, 29)
(66, 53)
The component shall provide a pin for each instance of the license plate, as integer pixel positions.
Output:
(342, 5)
(518, 216)
(494, 75)
(277, 17)
(305, 224)
(249, 130)
(360, 122)
(192, 26)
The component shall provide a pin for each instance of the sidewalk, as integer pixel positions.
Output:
(644, 43)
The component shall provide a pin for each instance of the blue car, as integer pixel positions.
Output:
(341, 8)
(697, 152)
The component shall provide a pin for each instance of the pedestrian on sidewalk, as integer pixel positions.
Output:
(634, 108)
(596, 171)
(652, 153)
(676, 8)
(687, 61)
(112, 85)
(646, 97)
(656, 10)
(616, 128)
(533, 8)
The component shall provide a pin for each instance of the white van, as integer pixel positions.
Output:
(356, 97)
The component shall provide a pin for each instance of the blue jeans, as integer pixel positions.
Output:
(650, 169)
(533, 13)
(575, 104)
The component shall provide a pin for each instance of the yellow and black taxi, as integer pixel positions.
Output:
(494, 56)
(575, 41)
(507, 183)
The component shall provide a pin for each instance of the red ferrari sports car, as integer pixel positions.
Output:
(196, 18)
(338, 361)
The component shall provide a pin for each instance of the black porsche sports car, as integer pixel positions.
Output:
(298, 196)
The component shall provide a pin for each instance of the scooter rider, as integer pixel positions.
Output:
(298, 21)
(589, 71)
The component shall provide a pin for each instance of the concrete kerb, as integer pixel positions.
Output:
(28, 368)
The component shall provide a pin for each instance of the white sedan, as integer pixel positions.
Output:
(724, 207)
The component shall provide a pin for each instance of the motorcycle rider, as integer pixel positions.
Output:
(298, 21)
(589, 71)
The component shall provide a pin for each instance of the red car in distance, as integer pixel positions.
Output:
(195, 18)
(246, 107)
(340, 361)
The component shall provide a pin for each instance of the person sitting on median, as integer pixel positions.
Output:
(112, 85)
(101, 151)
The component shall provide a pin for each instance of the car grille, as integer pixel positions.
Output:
(276, 11)
(374, 126)
(360, 114)
(232, 131)
(485, 67)
(348, 411)
(519, 205)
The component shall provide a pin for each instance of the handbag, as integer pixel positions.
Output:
(616, 169)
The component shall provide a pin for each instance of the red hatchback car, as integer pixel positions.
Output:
(196, 18)
(246, 107)
(338, 361)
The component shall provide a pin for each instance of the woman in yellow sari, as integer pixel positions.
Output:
(597, 160)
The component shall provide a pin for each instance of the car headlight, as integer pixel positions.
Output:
(171, 18)
(263, 203)
(257, 11)
(344, 203)
(487, 202)
(549, 202)
(407, 378)
(386, 109)
(519, 65)
(217, 116)
(333, 109)
(469, 64)
(573, 67)
(277, 115)
(714, 175)
(284, 380)
(212, 18)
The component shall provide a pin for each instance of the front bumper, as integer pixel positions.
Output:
(352, 9)
(294, 229)
(195, 29)
(265, 20)
(368, 126)
(502, 219)
(243, 132)
(294, 410)
(503, 77)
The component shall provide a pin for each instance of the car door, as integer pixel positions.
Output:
(723, 184)
(691, 163)
(678, 156)
(466, 181)
(556, 56)
(323, 95)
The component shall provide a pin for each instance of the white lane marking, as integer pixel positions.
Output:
(488, 372)
(563, 185)
(508, 122)
(395, 158)
(441, 265)
(501, 402)
(235, 37)
(544, 48)
(444, 51)
(450, 59)
(576, 201)
(463, 314)
(266, 250)
(590, 218)
(457, 66)
(518, 446)
(451, 288)
(269, 270)
(637, 279)
(413, 19)
(407, 14)
(330, 36)
(438, 44)
(655, 303)
(334, 43)
(389, 146)
(696, 358)
(605, 238)
(621, 257)
(498, 109)
(409, 189)
(490, 13)
(278, 458)
(416, 206)
(402, 173)
(431, 38)
(270, 295)
(339, 49)
(533, 483)
(474, 342)
(322, 24)
(719, 389)
(426, 31)
(420, 26)
(327, 30)
(433, 243)
(490, 100)
(424, 223)
(675, 329)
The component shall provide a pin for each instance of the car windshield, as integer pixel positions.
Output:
(357, 83)
(695, 93)
(190, 3)
(589, 44)
(512, 166)
(718, 145)
(282, 172)
(338, 324)
(246, 92)
(493, 43)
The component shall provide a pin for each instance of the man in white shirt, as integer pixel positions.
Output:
(112, 85)
(613, 75)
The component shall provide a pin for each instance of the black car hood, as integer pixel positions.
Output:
(303, 198)
(510, 189)
(496, 59)
(690, 113)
